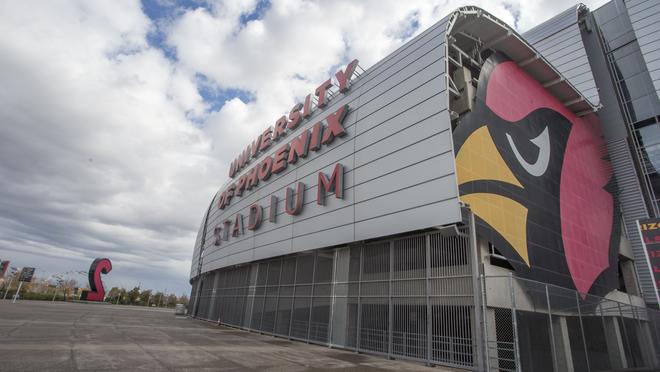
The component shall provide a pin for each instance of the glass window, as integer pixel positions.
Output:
(638, 86)
(625, 93)
(654, 179)
(649, 141)
(617, 32)
(608, 11)
(642, 108)
(628, 61)
(621, 40)
(649, 134)
(625, 50)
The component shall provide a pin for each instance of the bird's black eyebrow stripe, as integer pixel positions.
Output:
(507, 190)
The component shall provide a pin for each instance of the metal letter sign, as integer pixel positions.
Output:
(649, 231)
(96, 292)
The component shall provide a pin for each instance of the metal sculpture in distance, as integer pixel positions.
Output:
(96, 292)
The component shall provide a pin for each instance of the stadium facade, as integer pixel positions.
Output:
(471, 200)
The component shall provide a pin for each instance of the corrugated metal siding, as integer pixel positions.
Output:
(550, 27)
(645, 19)
(560, 42)
(397, 156)
(633, 208)
(612, 19)
(198, 242)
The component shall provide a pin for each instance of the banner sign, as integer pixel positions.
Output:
(649, 231)
(26, 274)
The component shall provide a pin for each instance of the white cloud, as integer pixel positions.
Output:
(99, 157)
(108, 149)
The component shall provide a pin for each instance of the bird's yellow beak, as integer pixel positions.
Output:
(479, 160)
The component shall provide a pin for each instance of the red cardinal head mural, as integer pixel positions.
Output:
(535, 176)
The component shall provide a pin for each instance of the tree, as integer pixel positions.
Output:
(113, 295)
(133, 295)
(144, 297)
(67, 286)
(123, 297)
(170, 301)
(158, 299)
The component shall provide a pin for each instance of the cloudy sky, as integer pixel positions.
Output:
(118, 119)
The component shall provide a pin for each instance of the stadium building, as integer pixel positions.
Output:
(471, 200)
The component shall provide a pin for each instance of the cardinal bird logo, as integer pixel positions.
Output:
(536, 177)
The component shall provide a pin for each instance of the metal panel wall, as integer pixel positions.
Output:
(397, 158)
(559, 41)
(633, 209)
(645, 19)
(612, 22)
(196, 257)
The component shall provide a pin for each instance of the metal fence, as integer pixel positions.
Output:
(418, 297)
(410, 297)
(532, 326)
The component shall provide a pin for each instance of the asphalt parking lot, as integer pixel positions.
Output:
(45, 336)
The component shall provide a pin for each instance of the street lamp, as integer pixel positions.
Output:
(57, 283)
(13, 270)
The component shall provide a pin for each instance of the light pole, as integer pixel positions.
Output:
(160, 301)
(58, 282)
(20, 284)
(119, 289)
(13, 273)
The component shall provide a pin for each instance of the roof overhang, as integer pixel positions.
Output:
(469, 26)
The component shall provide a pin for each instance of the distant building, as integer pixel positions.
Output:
(471, 200)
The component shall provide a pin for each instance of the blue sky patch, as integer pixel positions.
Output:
(257, 13)
(412, 25)
(158, 10)
(161, 13)
(216, 97)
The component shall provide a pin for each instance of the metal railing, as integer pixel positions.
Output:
(533, 326)
(418, 297)
(409, 297)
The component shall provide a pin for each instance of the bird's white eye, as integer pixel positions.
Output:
(541, 165)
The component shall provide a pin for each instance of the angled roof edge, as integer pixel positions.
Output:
(464, 20)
